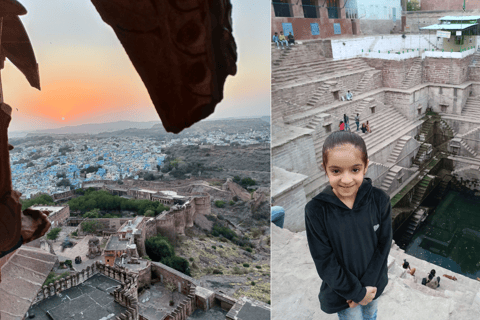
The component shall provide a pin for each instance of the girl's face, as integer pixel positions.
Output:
(345, 170)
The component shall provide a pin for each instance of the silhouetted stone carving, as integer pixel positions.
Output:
(94, 248)
(182, 50)
(15, 227)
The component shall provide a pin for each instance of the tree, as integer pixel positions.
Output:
(150, 213)
(64, 182)
(91, 226)
(413, 5)
(53, 234)
(42, 199)
(158, 248)
(171, 287)
(95, 213)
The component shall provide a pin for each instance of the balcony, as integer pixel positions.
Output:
(351, 13)
(333, 12)
(310, 11)
(282, 9)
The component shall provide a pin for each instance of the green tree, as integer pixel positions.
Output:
(158, 248)
(95, 213)
(91, 226)
(150, 213)
(413, 5)
(53, 234)
(42, 199)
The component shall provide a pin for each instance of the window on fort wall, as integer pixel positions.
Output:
(282, 8)
(328, 128)
(310, 9)
(443, 108)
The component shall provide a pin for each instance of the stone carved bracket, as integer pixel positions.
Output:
(182, 50)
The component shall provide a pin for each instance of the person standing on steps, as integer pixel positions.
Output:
(345, 119)
(349, 231)
(368, 127)
(357, 120)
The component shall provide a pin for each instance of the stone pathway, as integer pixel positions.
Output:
(296, 284)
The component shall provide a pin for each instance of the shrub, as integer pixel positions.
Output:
(258, 267)
(213, 247)
(219, 203)
(231, 202)
(68, 263)
(220, 217)
(248, 249)
(53, 234)
(191, 259)
(211, 217)
(75, 233)
(216, 271)
(146, 258)
(246, 265)
(253, 283)
(224, 231)
(178, 263)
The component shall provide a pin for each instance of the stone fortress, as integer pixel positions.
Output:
(422, 106)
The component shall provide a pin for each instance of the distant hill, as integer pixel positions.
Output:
(95, 128)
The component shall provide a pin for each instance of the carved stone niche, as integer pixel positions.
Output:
(182, 50)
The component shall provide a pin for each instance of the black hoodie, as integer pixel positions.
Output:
(349, 246)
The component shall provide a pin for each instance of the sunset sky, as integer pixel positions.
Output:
(86, 76)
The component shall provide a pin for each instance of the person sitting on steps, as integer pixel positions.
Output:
(342, 126)
(282, 39)
(291, 39)
(349, 96)
(364, 128)
(406, 265)
(433, 282)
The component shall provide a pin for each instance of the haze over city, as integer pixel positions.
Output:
(86, 76)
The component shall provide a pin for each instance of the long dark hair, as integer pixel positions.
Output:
(339, 138)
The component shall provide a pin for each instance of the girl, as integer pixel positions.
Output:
(342, 126)
(349, 231)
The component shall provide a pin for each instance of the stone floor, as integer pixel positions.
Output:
(154, 303)
(215, 313)
(90, 300)
(296, 284)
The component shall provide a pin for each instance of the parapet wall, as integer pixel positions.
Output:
(167, 274)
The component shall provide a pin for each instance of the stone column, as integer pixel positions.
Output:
(69, 282)
(342, 12)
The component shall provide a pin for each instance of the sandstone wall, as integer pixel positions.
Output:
(167, 274)
(446, 71)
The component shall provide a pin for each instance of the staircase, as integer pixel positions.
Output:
(472, 107)
(22, 277)
(413, 74)
(443, 187)
(467, 147)
(387, 181)
(398, 149)
(322, 95)
(423, 149)
(359, 109)
(280, 55)
(365, 82)
(420, 190)
(381, 125)
(426, 127)
(450, 132)
(412, 225)
(299, 72)
(460, 296)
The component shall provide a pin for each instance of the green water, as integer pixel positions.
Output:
(450, 237)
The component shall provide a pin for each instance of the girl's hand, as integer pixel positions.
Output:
(352, 304)
(371, 291)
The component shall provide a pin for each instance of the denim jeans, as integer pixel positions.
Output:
(347, 126)
(368, 312)
(358, 124)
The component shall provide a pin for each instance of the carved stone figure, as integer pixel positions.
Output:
(182, 50)
(15, 227)
(94, 248)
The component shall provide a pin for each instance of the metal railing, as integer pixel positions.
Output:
(333, 12)
(282, 9)
(310, 11)
(351, 13)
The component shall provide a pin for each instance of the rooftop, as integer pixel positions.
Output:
(452, 26)
(132, 225)
(116, 244)
(90, 300)
(53, 209)
(460, 18)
